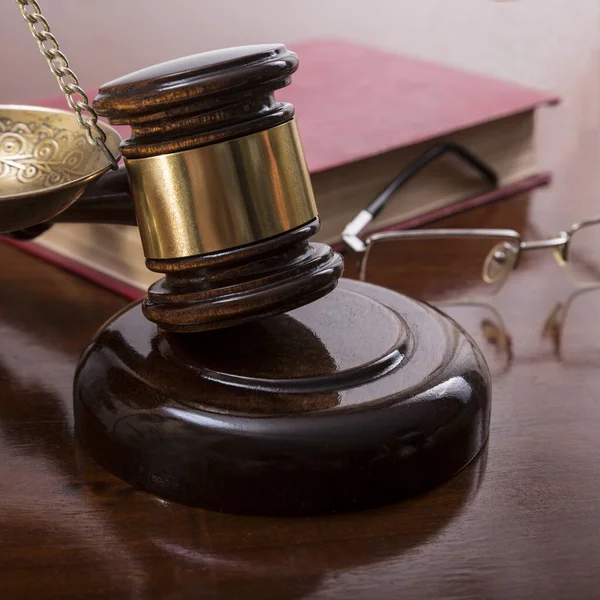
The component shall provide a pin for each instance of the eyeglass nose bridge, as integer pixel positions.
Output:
(559, 245)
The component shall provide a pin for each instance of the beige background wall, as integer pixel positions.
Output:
(550, 44)
(543, 42)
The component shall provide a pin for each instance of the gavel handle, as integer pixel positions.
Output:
(107, 200)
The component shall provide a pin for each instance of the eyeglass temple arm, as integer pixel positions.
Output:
(364, 217)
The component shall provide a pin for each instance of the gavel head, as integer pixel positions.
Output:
(222, 193)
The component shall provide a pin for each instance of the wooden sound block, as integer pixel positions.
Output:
(358, 399)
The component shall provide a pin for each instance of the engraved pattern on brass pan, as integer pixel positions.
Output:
(37, 151)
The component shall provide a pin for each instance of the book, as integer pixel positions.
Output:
(363, 115)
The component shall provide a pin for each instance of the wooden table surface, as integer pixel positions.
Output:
(522, 521)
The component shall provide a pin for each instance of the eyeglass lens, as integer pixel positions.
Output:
(583, 255)
(457, 275)
(441, 269)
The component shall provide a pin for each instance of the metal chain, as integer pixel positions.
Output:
(67, 80)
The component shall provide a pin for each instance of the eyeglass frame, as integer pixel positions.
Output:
(351, 240)
(560, 243)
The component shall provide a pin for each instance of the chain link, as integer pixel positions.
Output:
(67, 80)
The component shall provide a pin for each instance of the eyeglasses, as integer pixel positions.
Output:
(447, 259)
(449, 264)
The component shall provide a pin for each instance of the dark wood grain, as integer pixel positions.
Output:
(359, 399)
(198, 100)
(520, 522)
(222, 289)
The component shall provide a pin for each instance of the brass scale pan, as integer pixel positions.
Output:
(46, 162)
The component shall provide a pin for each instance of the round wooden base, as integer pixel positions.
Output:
(358, 399)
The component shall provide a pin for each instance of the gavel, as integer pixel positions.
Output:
(222, 193)
(252, 379)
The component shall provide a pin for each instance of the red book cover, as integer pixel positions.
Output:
(353, 102)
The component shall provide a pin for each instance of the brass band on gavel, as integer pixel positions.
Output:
(223, 195)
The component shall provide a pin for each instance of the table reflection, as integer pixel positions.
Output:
(564, 330)
(65, 510)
